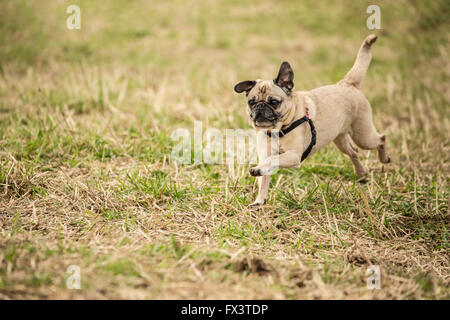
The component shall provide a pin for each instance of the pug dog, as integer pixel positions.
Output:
(292, 125)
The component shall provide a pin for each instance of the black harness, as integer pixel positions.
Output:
(294, 125)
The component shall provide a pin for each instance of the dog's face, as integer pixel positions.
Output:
(268, 101)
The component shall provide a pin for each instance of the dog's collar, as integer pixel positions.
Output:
(281, 133)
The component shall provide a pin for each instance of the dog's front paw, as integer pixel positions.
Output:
(263, 171)
(256, 172)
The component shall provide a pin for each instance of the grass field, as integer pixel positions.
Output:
(86, 118)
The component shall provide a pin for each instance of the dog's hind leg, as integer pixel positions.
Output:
(344, 144)
(382, 154)
(366, 136)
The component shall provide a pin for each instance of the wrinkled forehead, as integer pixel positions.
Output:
(264, 89)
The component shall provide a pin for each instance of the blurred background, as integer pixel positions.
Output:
(199, 49)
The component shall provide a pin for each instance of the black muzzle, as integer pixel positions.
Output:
(263, 112)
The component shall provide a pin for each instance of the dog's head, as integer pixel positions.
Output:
(268, 101)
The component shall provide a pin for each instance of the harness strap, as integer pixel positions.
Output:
(295, 124)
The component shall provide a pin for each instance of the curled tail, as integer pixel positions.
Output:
(356, 74)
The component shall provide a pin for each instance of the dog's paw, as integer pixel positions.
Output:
(363, 180)
(362, 172)
(257, 203)
(256, 172)
(363, 175)
(386, 159)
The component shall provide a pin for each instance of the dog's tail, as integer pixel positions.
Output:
(356, 74)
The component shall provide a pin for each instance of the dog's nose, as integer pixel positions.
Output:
(260, 105)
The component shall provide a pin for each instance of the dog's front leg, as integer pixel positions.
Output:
(264, 148)
(263, 189)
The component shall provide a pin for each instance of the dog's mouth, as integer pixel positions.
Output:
(261, 121)
(263, 124)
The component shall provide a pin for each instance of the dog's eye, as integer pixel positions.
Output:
(252, 101)
(274, 102)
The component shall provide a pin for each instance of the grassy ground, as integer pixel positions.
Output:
(85, 172)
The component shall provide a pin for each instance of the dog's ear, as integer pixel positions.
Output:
(285, 78)
(244, 86)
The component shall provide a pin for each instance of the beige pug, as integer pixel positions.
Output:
(338, 112)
